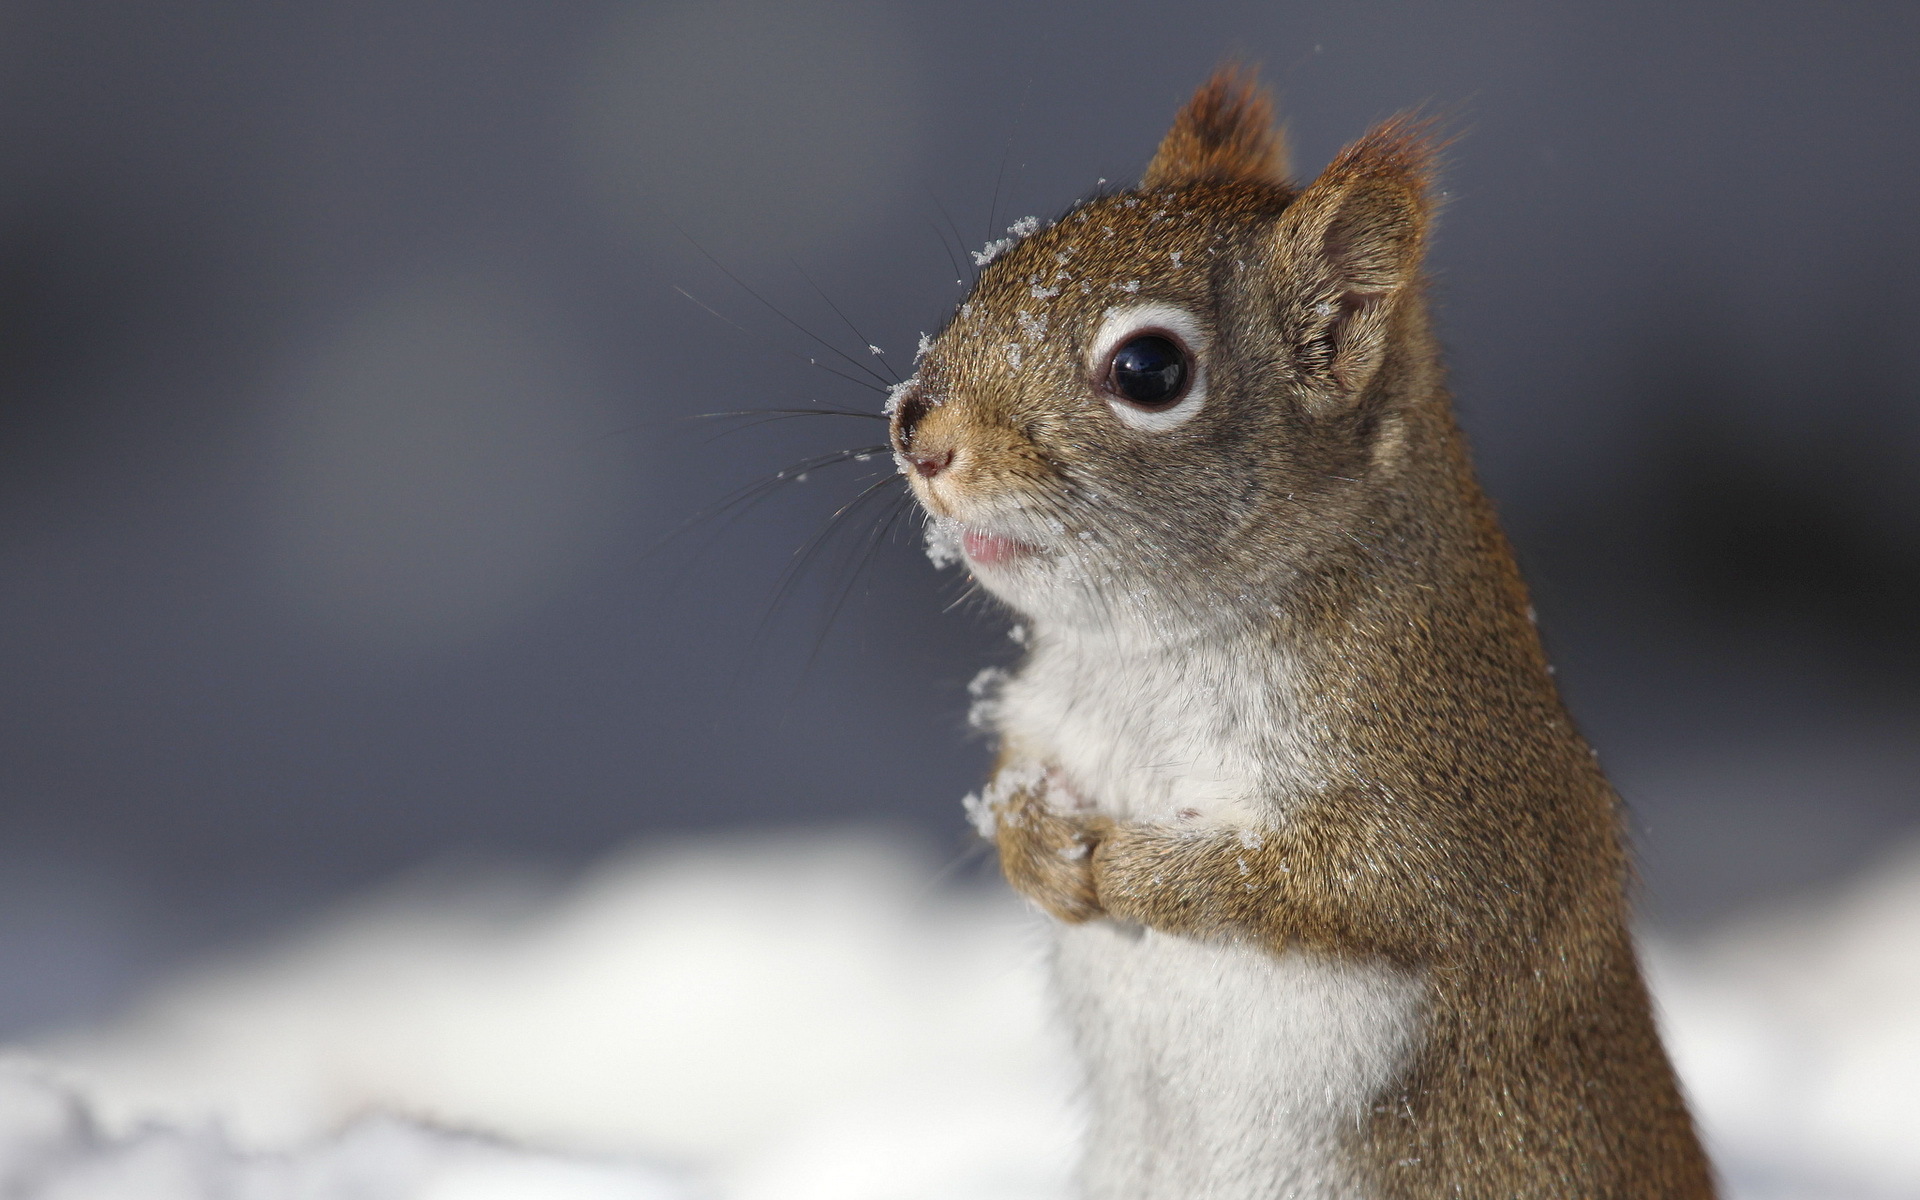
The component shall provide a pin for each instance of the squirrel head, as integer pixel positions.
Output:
(1173, 398)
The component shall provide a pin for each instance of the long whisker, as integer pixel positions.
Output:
(745, 425)
(729, 510)
(959, 272)
(993, 206)
(993, 209)
(804, 555)
(856, 363)
(761, 487)
(802, 558)
(752, 420)
(855, 566)
(746, 414)
(868, 384)
(784, 412)
(951, 260)
(846, 320)
(969, 592)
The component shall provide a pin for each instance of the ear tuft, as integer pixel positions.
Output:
(1401, 150)
(1225, 133)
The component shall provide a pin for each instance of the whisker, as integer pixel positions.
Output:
(760, 487)
(745, 425)
(785, 412)
(970, 591)
(803, 558)
(868, 384)
(993, 209)
(730, 509)
(665, 422)
(960, 243)
(755, 420)
(855, 566)
(857, 364)
(944, 245)
(821, 292)
(993, 206)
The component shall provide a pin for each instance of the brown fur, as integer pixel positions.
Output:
(1226, 132)
(1469, 833)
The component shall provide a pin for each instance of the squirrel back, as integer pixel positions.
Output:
(1342, 891)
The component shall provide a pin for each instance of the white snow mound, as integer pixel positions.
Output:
(814, 1018)
(52, 1147)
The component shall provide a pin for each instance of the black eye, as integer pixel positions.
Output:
(1149, 370)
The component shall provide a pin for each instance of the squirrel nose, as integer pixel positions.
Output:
(930, 464)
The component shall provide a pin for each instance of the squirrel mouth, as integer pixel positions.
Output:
(992, 550)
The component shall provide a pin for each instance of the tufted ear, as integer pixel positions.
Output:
(1348, 247)
(1225, 132)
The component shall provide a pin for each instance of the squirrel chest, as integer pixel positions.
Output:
(1198, 731)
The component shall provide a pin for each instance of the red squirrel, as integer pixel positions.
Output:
(1340, 891)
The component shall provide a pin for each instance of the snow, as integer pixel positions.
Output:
(790, 1018)
(943, 542)
(52, 1147)
(898, 391)
(1017, 232)
(1798, 1032)
(979, 809)
(812, 1016)
(984, 690)
(983, 807)
(993, 250)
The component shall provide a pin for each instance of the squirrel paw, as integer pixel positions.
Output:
(1047, 857)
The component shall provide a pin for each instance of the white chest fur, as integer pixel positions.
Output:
(1198, 734)
(1214, 1070)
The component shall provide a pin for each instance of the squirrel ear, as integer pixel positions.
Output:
(1348, 246)
(1225, 132)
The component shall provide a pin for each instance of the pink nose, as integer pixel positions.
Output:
(930, 465)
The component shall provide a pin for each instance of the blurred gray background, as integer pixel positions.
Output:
(342, 352)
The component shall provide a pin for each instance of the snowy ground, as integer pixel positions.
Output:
(809, 1017)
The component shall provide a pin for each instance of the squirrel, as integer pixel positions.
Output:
(1341, 893)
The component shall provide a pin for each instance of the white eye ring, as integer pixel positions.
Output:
(1120, 324)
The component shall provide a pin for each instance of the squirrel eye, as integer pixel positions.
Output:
(1150, 370)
